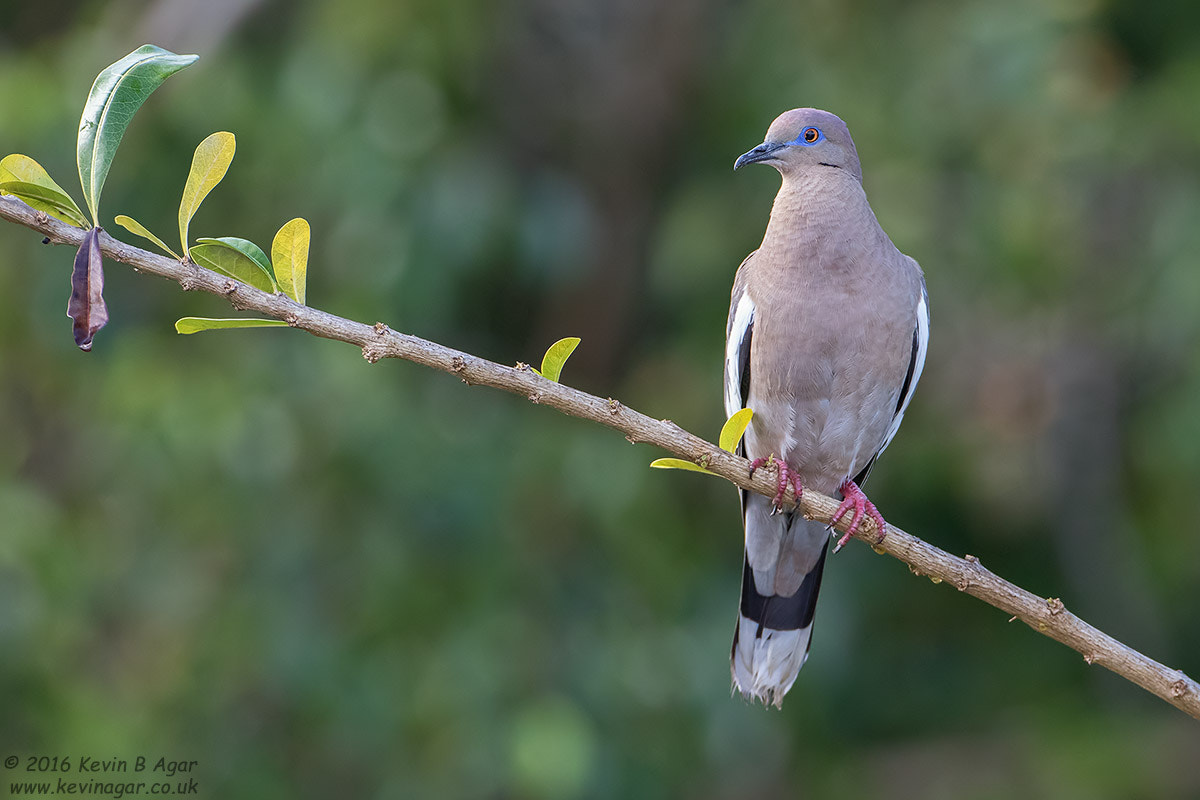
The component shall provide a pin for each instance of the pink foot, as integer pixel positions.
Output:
(854, 499)
(786, 477)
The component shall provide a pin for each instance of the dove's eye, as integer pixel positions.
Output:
(811, 135)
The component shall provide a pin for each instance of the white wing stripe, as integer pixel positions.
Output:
(919, 364)
(739, 327)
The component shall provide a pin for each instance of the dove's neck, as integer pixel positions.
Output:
(821, 212)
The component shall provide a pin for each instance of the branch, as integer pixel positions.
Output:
(1045, 615)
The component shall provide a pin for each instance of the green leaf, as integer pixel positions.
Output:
(556, 356)
(734, 428)
(48, 196)
(209, 165)
(289, 255)
(197, 324)
(679, 463)
(246, 248)
(137, 229)
(222, 257)
(119, 91)
(57, 205)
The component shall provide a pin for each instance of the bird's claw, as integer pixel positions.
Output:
(761, 462)
(785, 476)
(854, 500)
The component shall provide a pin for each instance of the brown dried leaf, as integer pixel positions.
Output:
(86, 306)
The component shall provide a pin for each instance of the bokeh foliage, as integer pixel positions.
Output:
(322, 578)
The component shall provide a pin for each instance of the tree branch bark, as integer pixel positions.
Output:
(1045, 615)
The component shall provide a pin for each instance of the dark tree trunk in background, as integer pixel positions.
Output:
(573, 76)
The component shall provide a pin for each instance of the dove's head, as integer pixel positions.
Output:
(804, 139)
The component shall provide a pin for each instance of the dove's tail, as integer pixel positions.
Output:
(785, 556)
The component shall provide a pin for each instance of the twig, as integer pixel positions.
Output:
(1045, 615)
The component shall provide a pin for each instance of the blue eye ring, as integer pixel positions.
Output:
(808, 137)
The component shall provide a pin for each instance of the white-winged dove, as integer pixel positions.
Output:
(827, 333)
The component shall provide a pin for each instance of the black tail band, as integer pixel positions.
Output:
(782, 613)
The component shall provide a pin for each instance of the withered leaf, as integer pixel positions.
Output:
(86, 306)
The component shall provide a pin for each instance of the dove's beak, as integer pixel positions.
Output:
(764, 152)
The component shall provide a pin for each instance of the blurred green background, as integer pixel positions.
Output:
(323, 578)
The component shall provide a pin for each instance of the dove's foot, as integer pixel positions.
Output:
(785, 475)
(854, 500)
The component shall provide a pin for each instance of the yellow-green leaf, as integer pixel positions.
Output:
(233, 262)
(38, 189)
(209, 164)
(679, 463)
(49, 201)
(289, 257)
(197, 324)
(137, 229)
(556, 357)
(734, 428)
